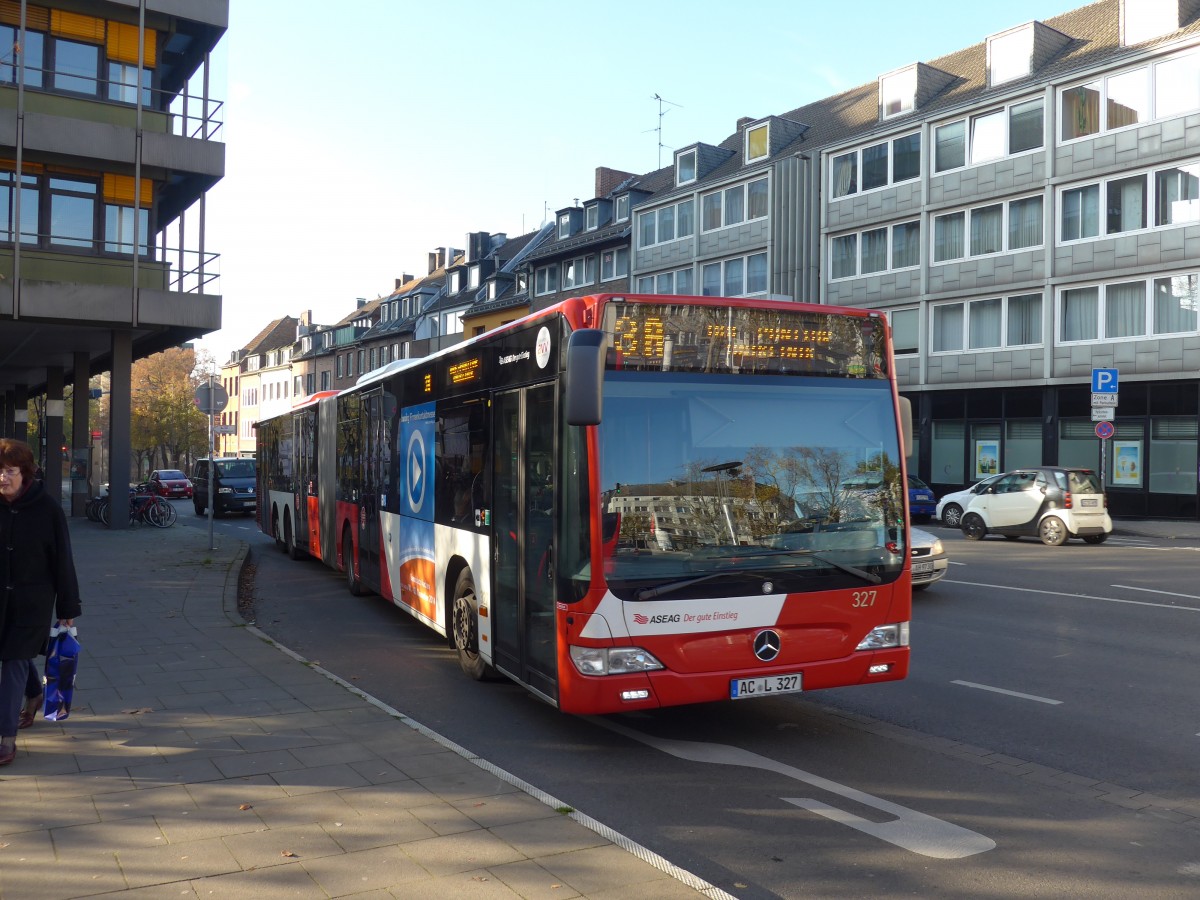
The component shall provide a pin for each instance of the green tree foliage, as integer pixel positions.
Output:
(166, 428)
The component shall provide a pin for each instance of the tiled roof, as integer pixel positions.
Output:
(367, 309)
(280, 333)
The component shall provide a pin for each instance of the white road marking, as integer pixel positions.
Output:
(996, 690)
(910, 830)
(1005, 587)
(1129, 587)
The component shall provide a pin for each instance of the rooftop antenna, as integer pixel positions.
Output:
(662, 112)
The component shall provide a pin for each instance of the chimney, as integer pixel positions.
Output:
(744, 121)
(607, 180)
(437, 259)
(479, 244)
(360, 301)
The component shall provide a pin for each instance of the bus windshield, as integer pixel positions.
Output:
(738, 485)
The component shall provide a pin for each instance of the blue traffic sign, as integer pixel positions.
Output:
(1104, 381)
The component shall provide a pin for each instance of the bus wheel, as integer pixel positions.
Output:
(352, 583)
(464, 627)
(289, 539)
(280, 543)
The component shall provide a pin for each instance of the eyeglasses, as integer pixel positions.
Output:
(9, 473)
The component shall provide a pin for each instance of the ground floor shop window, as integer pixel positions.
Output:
(947, 452)
(1078, 444)
(1022, 444)
(1125, 455)
(1173, 444)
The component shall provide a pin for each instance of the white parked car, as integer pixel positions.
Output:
(929, 561)
(950, 507)
(1054, 503)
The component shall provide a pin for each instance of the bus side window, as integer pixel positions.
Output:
(460, 482)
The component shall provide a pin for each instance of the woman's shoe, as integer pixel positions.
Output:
(8, 752)
(29, 711)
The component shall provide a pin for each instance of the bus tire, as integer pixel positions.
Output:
(289, 539)
(352, 583)
(280, 543)
(464, 627)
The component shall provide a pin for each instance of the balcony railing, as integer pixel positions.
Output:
(178, 114)
(49, 258)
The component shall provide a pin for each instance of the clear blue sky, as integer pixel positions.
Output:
(356, 146)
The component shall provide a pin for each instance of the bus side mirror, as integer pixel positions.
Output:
(585, 377)
(906, 425)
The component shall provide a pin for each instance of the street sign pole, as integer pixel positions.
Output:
(211, 399)
(1105, 383)
(213, 462)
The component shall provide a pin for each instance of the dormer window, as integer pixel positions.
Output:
(1142, 21)
(758, 143)
(564, 226)
(455, 282)
(493, 290)
(1010, 55)
(473, 277)
(685, 167)
(898, 92)
(621, 209)
(592, 217)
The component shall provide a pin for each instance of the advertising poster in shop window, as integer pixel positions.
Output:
(987, 458)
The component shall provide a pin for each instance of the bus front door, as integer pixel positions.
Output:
(523, 510)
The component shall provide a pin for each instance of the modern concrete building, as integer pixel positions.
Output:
(109, 141)
(1027, 209)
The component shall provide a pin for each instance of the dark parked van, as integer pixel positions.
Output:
(233, 489)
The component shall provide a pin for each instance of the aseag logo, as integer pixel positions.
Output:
(642, 619)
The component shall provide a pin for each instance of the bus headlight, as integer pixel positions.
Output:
(885, 636)
(613, 660)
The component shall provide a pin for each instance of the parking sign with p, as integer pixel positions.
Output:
(1104, 381)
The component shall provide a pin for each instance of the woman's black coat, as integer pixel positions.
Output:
(37, 572)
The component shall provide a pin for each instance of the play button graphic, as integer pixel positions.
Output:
(416, 472)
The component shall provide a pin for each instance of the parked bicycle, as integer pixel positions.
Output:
(144, 507)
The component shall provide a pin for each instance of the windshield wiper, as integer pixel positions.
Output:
(869, 577)
(672, 586)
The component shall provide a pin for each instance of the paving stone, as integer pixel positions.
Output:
(462, 852)
(377, 869)
(281, 846)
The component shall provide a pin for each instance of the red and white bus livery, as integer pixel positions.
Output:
(623, 502)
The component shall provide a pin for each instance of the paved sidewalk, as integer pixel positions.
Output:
(202, 760)
(1167, 529)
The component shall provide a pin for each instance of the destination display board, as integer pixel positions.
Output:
(682, 337)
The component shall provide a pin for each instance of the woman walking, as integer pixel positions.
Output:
(37, 581)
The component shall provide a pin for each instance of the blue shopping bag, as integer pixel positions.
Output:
(62, 657)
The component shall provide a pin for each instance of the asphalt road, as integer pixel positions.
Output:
(1043, 745)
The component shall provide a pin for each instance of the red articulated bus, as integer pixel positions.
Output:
(623, 502)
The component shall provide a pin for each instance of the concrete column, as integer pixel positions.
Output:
(20, 401)
(119, 419)
(81, 436)
(52, 463)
